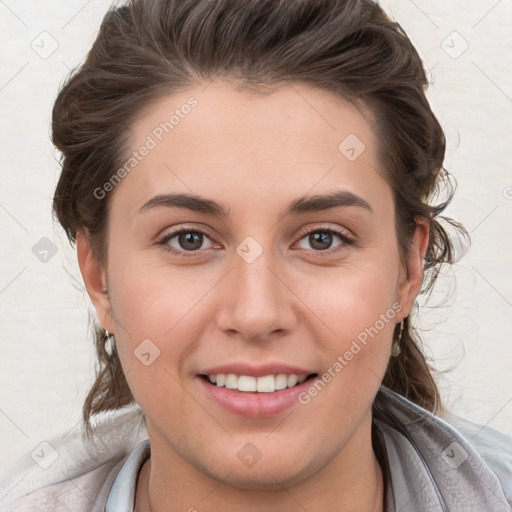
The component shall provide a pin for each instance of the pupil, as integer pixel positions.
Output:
(191, 240)
(321, 240)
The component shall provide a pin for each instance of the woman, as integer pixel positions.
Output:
(249, 185)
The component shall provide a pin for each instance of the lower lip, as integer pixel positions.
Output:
(255, 405)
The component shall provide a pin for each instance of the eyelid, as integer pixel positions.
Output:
(346, 237)
(344, 233)
(163, 241)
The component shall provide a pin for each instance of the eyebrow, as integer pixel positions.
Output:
(301, 205)
(188, 201)
(319, 202)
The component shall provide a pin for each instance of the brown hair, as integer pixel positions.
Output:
(149, 48)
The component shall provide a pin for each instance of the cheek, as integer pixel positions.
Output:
(160, 312)
(358, 305)
(351, 297)
(361, 312)
(152, 297)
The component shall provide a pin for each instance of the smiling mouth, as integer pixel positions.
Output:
(250, 384)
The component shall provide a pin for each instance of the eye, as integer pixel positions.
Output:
(322, 239)
(185, 240)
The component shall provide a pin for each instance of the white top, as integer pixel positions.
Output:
(122, 494)
(435, 465)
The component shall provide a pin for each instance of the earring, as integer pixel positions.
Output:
(110, 343)
(395, 350)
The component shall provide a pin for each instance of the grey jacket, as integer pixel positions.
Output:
(435, 464)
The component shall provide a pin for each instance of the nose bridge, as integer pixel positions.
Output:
(257, 302)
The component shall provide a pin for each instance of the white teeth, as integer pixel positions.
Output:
(231, 381)
(246, 383)
(281, 381)
(292, 380)
(266, 384)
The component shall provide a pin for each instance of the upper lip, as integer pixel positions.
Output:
(252, 370)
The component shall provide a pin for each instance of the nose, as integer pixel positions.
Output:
(258, 303)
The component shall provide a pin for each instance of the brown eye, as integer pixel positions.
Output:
(190, 241)
(320, 240)
(185, 241)
(324, 239)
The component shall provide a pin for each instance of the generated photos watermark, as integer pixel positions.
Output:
(151, 142)
(343, 360)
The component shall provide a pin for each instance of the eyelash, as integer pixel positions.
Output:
(345, 238)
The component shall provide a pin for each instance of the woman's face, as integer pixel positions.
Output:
(288, 265)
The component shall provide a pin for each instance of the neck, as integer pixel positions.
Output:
(352, 480)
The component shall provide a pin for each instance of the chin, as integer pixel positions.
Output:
(275, 474)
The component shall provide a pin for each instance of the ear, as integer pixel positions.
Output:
(94, 276)
(410, 283)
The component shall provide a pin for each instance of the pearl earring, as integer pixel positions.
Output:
(395, 350)
(110, 343)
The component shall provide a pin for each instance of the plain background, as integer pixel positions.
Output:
(47, 364)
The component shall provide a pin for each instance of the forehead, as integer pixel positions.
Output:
(293, 138)
(221, 111)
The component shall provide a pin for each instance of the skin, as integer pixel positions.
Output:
(295, 303)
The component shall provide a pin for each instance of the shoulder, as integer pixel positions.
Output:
(456, 460)
(71, 473)
(495, 448)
